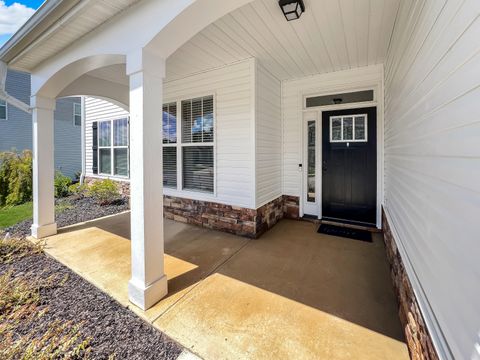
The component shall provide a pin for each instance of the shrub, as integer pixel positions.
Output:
(104, 191)
(78, 189)
(15, 177)
(62, 184)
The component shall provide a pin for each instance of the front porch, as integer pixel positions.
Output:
(293, 293)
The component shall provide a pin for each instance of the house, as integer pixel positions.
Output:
(16, 125)
(357, 111)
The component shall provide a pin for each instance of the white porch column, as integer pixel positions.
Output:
(148, 283)
(43, 168)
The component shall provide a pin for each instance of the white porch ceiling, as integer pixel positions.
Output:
(331, 35)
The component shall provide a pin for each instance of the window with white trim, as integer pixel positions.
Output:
(77, 114)
(348, 128)
(169, 128)
(194, 146)
(113, 142)
(3, 110)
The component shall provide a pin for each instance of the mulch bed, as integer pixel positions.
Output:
(83, 209)
(113, 329)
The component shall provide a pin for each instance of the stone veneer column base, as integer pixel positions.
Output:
(419, 342)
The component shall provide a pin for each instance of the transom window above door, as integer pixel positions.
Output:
(348, 128)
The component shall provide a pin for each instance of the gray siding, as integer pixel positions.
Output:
(16, 131)
(68, 140)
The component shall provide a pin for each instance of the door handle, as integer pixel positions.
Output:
(324, 166)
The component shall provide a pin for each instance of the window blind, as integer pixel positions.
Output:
(170, 166)
(198, 168)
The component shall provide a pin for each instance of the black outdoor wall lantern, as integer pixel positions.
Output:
(292, 9)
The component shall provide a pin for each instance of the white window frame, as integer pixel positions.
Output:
(112, 149)
(75, 105)
(175, 144)
(342, 118)
(6, 111)
(180, 190)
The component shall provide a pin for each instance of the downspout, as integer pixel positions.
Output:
(83, 148)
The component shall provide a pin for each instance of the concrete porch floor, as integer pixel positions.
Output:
(292, 293)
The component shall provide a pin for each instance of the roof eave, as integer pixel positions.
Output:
(46, 15)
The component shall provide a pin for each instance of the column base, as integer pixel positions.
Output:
(42, 231)
(146, 297)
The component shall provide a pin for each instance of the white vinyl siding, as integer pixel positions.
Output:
(268, 134)
(233, 92)
(98, 110)
(432, 159)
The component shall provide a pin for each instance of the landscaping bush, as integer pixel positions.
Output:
(104, 191)
(15, 177)
(78, 189)
(62, 184)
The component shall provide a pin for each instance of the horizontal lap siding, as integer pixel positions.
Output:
(292, 105)
(68, 139)
(233, 90)
(268, 126)
(16, 131)
(432, 157)
(97, 110)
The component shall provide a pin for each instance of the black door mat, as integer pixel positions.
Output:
(356, 234)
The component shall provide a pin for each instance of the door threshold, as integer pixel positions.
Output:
(372, 228)
(310, 218)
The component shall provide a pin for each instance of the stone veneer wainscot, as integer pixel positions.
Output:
(419, 342)
(237, 220)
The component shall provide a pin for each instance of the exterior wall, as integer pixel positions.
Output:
(293, 92)
(432, 164)
(16, 131)
(233, 90)
(268, 137)
(96, 110)
(250, 223)
(416, 333)
(68, 138)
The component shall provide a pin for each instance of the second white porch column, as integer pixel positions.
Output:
(148, 283)
(43, 167)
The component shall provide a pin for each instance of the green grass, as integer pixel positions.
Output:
(11, 215)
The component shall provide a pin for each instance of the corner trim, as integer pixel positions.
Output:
(438, 338)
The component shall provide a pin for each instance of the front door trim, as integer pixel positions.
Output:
(378, 103)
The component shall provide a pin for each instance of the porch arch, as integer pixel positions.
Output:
(57, 85)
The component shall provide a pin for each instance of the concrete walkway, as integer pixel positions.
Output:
(291, 294)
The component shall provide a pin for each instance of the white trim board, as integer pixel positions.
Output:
(295, 92)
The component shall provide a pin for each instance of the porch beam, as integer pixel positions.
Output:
(148, 284)
(43, 167)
